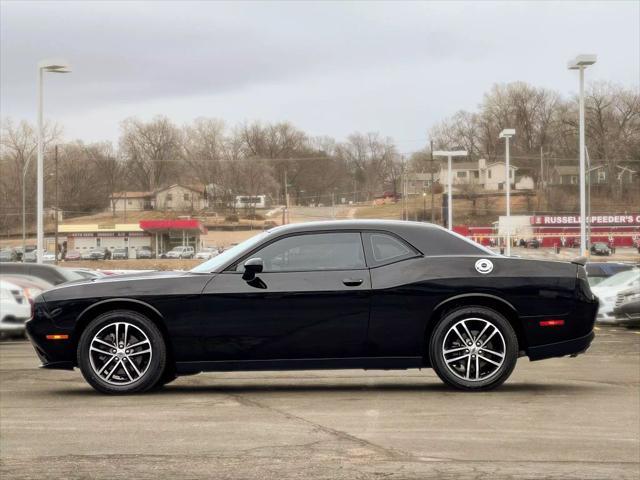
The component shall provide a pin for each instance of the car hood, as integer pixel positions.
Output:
(137, 284)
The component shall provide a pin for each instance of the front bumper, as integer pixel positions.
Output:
(574, 346)
(58, 354)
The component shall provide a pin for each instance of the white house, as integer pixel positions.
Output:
(131, 201)
(181, 198)
(174, 197)
(493, 176)
(490, 177)
(463, 173)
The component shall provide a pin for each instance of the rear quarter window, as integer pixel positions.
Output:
(383, 248)
(438, 241)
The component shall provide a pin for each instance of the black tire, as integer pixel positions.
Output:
(156, 364)
(459, 374)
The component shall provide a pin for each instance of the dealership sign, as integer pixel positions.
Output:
(633, 219)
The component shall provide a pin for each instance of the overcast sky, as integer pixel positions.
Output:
(329, 68)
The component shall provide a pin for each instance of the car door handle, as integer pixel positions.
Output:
(352, 282)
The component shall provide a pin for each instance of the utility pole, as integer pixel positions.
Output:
(125, 207)
(541, 169)
(433, 212)
(286, 197)
(333, 204)
(55, 248)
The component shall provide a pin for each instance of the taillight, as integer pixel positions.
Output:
(551, 323)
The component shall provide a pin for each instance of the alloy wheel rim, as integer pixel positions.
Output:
(120, 353)
(474, 349)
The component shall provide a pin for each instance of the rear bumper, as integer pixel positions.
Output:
(574, 346)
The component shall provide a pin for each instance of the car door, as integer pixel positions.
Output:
(311, 301)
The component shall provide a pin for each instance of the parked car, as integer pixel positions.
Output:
(8, 255)
(88, 273)
(600, 248)
(49, 273)
(144, 252)
(120, 254)
(86, 255)
(181, 252)
(72, 256)
(100, 254)
(15, 309)
(31, 286)
(600, 271)
(607, 292)
(627, 313)
(533, 243)
(48, 257)
(207, 253)
(345, 294)
(30, 257)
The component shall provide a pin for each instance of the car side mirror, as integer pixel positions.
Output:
(251, 268)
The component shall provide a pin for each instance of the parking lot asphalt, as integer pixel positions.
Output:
(563, 418)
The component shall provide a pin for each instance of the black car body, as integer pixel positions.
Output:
(349, 294)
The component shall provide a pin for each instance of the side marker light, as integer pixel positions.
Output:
(57, 337)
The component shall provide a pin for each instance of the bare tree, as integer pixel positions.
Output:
(151, 151)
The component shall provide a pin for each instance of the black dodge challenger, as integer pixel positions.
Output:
(324, 295)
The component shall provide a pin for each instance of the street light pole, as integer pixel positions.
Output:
(40, 176)
(449, 155)
(24, 209)
(424, 206)
(53, 66)
(580, 63)
(507, 133)
(57, 211)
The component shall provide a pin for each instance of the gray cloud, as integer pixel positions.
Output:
(328, 67)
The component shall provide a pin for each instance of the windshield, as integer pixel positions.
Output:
(225, 257)
(620, 278)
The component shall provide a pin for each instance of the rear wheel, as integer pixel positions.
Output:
(122, 352)
(473, 348)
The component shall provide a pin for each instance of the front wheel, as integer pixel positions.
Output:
(473, 348)
(122, 352)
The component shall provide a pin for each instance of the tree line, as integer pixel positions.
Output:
(271, 158)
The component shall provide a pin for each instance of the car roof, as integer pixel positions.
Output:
(421, 235)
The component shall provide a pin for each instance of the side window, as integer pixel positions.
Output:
(312, 252)
(384, 248)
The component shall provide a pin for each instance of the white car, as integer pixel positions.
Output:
(48, 257)
(607, 292)
(207, 253)
(181, 252)
(14, 308)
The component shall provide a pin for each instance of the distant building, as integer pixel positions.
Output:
(181, 198)
(174, 197)
(488, 177)
(598, 175)
(131, 201)
(493, 176)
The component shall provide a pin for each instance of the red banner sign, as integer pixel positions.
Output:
(621, 219)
